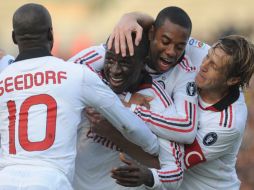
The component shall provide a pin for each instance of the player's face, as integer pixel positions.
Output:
(121, 72)
(167, 44)
(211, 75)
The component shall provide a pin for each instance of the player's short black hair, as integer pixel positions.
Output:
(142, 50)
(176, 15)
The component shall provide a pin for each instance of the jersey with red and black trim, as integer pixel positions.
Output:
(94, 161)
(211, 159)
(179, 85)
(93, 57)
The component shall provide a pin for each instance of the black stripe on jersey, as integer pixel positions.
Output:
(87, 58)
(226, 117)
(162, 93)
(178, 153)
(168, 122)
(172, 175)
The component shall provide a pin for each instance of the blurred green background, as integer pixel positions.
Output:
(81, 23)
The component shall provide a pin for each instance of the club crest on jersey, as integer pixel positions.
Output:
(191, 89)
(210, 139)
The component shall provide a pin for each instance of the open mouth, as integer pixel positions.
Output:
(115, 81)
(165, 63)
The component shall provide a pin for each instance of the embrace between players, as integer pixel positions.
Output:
(182, 136)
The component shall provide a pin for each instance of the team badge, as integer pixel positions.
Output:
(191, 89)
(210, 139)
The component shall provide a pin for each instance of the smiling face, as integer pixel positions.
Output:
(121, 72)
(212, 74)
(167, 44)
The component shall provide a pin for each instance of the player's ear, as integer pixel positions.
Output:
(233, 81)
(50, 34)
(14, 37)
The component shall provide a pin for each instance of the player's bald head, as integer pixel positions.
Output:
(32, 27)
(31, 20)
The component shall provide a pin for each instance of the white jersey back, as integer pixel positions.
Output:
(41, 101)
(38, 115)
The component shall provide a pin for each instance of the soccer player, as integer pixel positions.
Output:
(210, 160)
(136, 22)
(97, 155)
(41, 99)
(167, 63)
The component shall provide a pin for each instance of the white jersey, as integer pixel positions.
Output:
(178, 82)
(216, 146)
(97, 156)
(5, 61)
(40, 109)
(196, 50)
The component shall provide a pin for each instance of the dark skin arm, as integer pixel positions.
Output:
(102, 127)
(132, 174)
(139, 99)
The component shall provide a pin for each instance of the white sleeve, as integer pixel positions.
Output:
(93, 57)
(100, 96)
(217, 142)
(178, 122)
(196, 50)
(170, 175)
(5, 61)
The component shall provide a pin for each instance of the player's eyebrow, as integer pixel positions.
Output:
(119, 57)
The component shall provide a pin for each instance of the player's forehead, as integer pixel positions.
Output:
(110, 53)
(218, 55)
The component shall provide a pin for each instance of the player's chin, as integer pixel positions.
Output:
(117, 89)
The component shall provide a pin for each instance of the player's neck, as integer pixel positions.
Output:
(33, 47)
(212, 96)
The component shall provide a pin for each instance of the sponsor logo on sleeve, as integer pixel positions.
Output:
(210, 139)
(196, 43)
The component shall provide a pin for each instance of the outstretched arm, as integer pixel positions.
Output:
(170, 175)
(129, 23)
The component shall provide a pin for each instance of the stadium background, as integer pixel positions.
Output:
(82, 23)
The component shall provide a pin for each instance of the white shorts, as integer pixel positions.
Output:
(27, 177)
